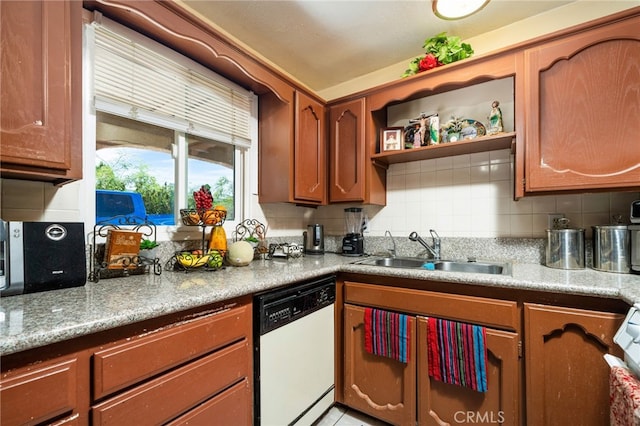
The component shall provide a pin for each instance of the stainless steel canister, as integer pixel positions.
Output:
(565, 248)
(611, 248)
(634, 233)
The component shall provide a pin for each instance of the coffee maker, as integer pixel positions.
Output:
(353, 242)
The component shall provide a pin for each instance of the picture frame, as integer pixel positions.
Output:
(391, 139)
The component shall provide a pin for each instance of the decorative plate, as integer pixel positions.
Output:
(462, 129)
(474, 129)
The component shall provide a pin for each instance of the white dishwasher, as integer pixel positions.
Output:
(294, 353)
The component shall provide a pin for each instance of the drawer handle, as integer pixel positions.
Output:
(372, 404)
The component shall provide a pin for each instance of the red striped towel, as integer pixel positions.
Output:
(457, 353)
(386, 334)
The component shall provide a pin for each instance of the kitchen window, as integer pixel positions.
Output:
(165, 125)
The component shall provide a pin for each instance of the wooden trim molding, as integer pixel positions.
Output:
(170, 24)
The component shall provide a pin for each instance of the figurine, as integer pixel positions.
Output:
(495, 119)
(423, 131)
(417, 136)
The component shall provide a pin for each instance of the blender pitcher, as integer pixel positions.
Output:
(353, 242)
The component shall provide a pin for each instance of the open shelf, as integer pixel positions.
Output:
(481, 144)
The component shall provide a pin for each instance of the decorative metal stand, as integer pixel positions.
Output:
(254, 232)
(98, 266)
(206, 260)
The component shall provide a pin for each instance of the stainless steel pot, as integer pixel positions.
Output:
(565, 248)
(611, 248)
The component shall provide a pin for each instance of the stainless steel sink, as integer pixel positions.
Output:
(440, 265)
(472, 267)
(397, 262)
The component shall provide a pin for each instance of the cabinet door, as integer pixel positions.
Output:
(567, 381)
(41, 90)
(310, 157)
(379, 386)
(346, 152)
(582, 123)
(441, 403)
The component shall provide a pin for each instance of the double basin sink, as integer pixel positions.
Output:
(440, 265)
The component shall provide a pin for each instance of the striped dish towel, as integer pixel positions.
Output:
(457, 353)
(386, 334)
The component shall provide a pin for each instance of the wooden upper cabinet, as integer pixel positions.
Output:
(41, 86)
(310, 156)
(347, 151)
(292, 150)
(582, 110)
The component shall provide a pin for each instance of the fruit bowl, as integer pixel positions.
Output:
(188, 260)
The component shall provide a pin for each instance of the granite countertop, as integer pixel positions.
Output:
(38, 319)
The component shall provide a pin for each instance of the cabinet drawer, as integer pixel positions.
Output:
(476, 310)
(168, 396)
(27, 397)
(139, 358)
(73, 420)
(232, 407)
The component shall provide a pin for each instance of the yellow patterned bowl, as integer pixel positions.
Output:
(190, 260)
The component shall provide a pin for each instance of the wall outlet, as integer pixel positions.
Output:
(551, 218)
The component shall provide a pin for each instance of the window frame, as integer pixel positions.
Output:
(245, 159)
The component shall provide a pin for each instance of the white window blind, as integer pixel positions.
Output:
(138, 78)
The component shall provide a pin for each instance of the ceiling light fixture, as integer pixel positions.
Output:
(457, 9)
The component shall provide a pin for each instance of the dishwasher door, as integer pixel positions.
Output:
(297, 370)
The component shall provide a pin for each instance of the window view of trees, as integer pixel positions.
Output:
(126, 172)
(135, 156)
(122, 175)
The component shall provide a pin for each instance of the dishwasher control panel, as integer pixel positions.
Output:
(281, 306)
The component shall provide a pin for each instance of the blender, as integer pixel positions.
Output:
(353, 242)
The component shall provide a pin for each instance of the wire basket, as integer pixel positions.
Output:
(210, 217)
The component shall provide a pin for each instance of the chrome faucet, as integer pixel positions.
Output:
(393, 250)
(435, 250)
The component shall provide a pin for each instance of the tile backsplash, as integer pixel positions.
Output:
(468, 196)
(472, 196)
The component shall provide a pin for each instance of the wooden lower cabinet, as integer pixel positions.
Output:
(381, 387)
(228, 408)
(178, 391)
(567, 379)
(166, 374)
(192, 368)
(442, 403)
(400, 393)
(41, 393)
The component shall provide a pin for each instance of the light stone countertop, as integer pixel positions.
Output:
(39, 319)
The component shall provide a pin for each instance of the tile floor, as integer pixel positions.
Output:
(343, 416)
